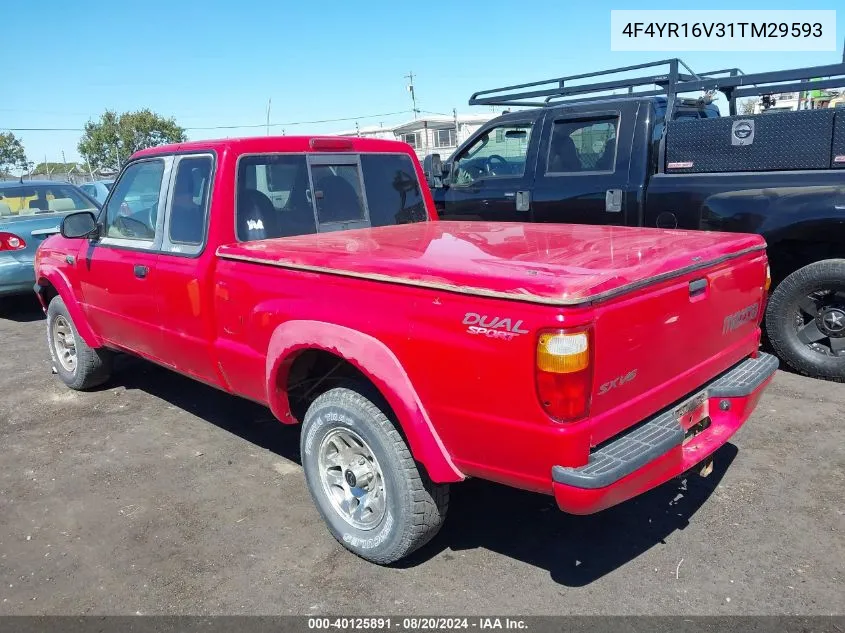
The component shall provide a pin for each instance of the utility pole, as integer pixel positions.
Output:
(64, 162)
(410, 78)
(269, 101)
(455, 116)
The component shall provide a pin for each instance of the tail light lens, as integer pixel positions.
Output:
(11, 242)
(565, 373)
(768, 277)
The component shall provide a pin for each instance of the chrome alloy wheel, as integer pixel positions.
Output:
(64, 344)
(352, 478)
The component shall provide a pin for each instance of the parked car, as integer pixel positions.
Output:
(615, 160)
(98, 190)
(30, 211)
(590, 363)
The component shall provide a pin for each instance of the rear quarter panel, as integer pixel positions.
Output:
(476, 391)
(479, 391)
(17, 272)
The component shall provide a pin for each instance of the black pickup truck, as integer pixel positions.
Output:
(654, 157)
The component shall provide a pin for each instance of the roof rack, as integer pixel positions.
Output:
(676, 78)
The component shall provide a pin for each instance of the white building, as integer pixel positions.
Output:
(791, 101)
(430, 134)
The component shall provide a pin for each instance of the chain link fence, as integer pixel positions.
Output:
(73, 177)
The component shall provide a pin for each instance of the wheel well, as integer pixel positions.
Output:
(787, 256)
(47, 292)
(314, 372)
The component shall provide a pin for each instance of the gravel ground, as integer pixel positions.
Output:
(158, 495)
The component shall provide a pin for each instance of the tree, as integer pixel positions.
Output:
(115, 137)
(747, 106)
(54, 168)
(12, 155)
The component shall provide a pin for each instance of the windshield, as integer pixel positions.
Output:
(35, 199)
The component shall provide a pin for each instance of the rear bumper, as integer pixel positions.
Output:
(654, 451)
(17, 274)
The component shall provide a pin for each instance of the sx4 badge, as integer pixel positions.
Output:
(493, 326)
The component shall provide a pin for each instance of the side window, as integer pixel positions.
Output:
(189, 206)
(499, 151)
(90, 190)
(133, 208)
(337, 193)
(581, 145)
(273, 197)
(394, 195)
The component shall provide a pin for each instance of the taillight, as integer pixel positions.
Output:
(768, 278)
(11, 242)
(564, 373)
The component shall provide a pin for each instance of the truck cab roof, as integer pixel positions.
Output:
(280, 144)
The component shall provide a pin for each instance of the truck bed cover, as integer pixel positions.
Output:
(549, 264)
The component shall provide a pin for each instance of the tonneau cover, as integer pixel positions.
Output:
(555, 264)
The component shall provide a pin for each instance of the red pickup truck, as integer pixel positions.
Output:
(310, 274)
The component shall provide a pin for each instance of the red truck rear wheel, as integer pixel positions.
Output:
(377, 502)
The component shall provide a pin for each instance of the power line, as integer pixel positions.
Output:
(223, 127)
(348, 118)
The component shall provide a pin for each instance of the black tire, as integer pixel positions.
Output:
(92, 366)
(415, 507)
(783, 318)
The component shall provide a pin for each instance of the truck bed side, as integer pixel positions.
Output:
(479, 391)
(801, 214)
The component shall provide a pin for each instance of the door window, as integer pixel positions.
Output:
(497, 152)
(583, 145)
(189, 206)
(132, 211)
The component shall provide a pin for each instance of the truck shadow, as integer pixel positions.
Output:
(524, 526)
(21, 308)
(576, 550)
(243, 418)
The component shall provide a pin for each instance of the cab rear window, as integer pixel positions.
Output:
(280, 195)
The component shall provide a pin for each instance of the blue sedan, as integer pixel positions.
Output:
(31, 211)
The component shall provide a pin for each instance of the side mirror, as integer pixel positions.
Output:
(436, 165)
(78, 225)
(432, 169)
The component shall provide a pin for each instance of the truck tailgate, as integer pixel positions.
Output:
(660, 344)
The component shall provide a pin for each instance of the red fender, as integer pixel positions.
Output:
(55, 278)
(379, 364)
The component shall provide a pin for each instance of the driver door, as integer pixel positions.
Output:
(491, 177)
(117, 272)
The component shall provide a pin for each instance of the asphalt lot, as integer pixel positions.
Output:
(160, 495)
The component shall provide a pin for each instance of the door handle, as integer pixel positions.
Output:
(141, 271)
(613, 201)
